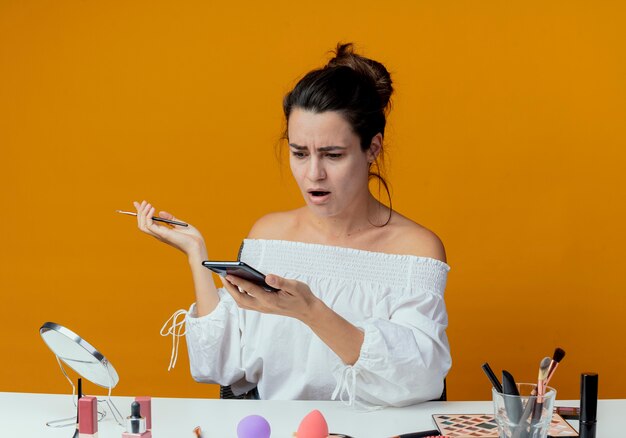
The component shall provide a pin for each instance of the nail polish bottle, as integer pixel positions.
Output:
(146, 410)
(136, 424)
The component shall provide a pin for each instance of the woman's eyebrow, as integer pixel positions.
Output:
(322, 149)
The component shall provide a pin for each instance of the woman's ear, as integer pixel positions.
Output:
(376, 146)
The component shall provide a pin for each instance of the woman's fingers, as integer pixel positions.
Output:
(280, 282)
(156, 230)
(242, 299)
(143, 223)
(186, 239)
(140, 215)
(249, 287)
(271, 279)
(166, 215)
(293, 299)
(249, 295)
(145, 211)
(171, 217)
(149, 213)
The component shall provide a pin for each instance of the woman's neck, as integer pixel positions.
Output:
(353, 223)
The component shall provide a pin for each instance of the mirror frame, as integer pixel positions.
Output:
(51, 326)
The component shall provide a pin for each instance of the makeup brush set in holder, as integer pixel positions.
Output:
(524, 410)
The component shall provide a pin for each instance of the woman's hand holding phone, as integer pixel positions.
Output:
(186, 239)
(294, 298)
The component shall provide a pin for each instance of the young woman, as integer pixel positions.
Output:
(360, 311)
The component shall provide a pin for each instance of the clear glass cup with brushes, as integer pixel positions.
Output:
(526, 415)
(525, 410)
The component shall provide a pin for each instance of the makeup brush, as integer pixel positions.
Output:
(492, 377)
(544, 366)
(512, 405)
(534, 404)
(557, 357)
(155, 218)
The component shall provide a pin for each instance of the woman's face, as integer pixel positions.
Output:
(327, 162)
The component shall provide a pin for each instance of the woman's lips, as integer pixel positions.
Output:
(318, 196)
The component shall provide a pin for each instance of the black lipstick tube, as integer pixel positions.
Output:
(588, 404)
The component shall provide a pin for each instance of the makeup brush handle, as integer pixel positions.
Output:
(520, 431)
(492, 377)
(169, 221)
(541, 385)
(537, 411)
(512, 405)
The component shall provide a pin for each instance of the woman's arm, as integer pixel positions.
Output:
(342, 337)
(189, 241)
(204, 286)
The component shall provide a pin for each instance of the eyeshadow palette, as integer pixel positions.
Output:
(484, 425)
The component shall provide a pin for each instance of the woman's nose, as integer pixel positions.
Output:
(316, 170)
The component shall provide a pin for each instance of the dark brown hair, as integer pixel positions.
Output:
(356, 87)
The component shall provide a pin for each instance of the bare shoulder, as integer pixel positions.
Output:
(274, 226)
(408, 237)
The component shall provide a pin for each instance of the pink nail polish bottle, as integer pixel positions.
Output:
(146, 410)
(87, 417)
(136, 424)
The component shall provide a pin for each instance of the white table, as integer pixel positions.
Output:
(25, 415)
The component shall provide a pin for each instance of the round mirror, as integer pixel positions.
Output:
(79, 355)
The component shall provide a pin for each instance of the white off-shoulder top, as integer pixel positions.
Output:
(397, 300)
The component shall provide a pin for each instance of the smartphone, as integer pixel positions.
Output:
(241, 270)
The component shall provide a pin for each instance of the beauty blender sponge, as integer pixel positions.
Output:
(313, 426)
(253, 426)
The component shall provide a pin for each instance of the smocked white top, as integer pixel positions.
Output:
(397, 300)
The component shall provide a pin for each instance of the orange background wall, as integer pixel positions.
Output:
(507, 139)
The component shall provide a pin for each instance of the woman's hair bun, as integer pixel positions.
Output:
(357, 87)
(374, 70)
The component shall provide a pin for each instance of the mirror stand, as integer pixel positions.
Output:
(89, 363)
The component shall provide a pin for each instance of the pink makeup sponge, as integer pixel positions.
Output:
(313, 426)
(253, 426)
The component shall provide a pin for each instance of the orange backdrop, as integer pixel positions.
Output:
(507, 139)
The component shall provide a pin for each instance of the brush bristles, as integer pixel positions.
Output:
(544, 366)
(559, 354)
